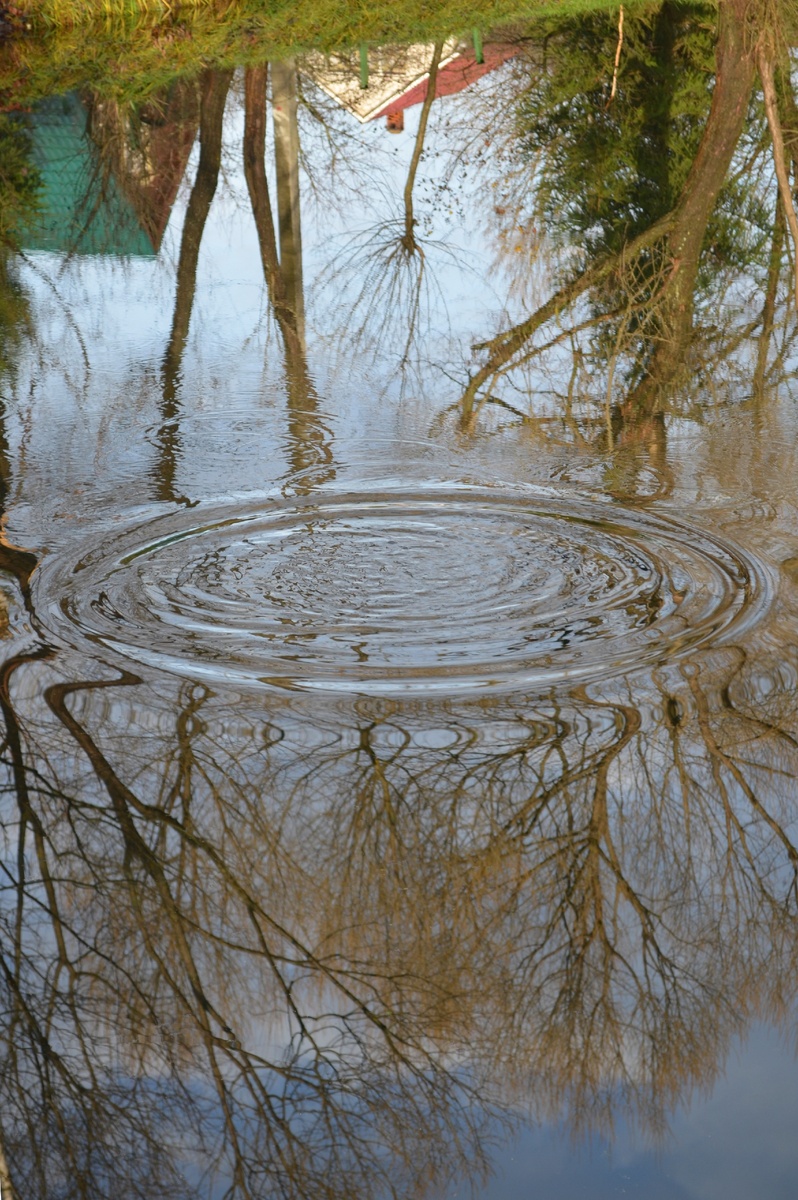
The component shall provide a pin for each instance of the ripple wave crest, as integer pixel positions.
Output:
(443, 588)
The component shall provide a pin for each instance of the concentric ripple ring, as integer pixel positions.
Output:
(437, 588)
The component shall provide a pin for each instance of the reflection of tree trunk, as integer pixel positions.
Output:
(734, 79)
(214, 88)
(5, 465)
(636, 443)
(214, 94)
(781, 167)
(309, 438)
(653, 150)
(769, 306)
(6, 1190)
(286, 161)
(409, 239)
(257, 184)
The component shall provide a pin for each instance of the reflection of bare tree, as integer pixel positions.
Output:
(389, 259)
(580, 898)
(409, 242)
(213, 95)
(590, 895)
(152, 950)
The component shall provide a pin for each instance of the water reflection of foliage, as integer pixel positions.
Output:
(14, 313)
(664, 234)
(19, 181)
(612, 166)
(19, 197)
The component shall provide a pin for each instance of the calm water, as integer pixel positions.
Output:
(399, 618)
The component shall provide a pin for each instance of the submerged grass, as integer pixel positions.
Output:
(127, 48)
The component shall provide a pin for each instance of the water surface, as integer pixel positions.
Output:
(399, 584)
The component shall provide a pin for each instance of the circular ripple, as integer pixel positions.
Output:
(441, 589)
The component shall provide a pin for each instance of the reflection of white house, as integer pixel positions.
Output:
(398, 75)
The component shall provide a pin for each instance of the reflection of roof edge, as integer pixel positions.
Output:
(380, 105)
(449, 83)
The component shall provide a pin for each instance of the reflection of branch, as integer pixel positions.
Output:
(719, 757)
(409, 239)
(33, 265)
(505, 346)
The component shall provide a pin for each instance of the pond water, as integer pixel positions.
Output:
(399, 621)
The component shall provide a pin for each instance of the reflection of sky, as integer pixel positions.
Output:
(87, 395)
(92, 380)
(738, 1143)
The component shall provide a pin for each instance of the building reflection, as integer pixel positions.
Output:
(109, 172)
